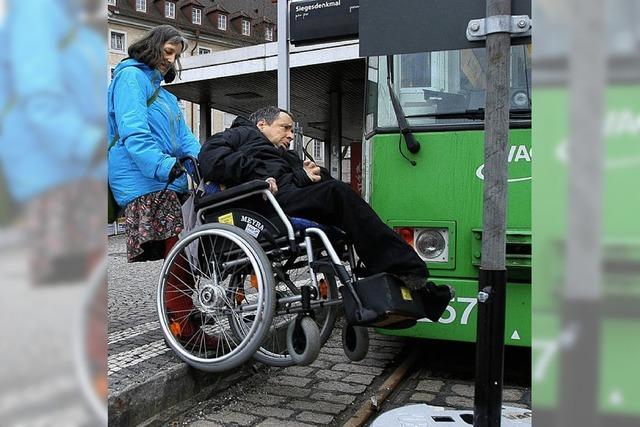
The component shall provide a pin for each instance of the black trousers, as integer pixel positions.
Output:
(333, 202)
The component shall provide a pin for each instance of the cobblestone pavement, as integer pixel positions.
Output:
(328, 392)
(136, 346)
(332, 389)
(444, 376)
(324, 393)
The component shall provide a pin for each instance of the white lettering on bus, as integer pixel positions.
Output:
(516, 153)
(521, 154)
(452, 314)
(622, 122)
(617, 125)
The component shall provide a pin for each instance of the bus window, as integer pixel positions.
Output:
(444, 88)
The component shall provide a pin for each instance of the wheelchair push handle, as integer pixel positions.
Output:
(176, 171)
(192, 167)
(183, 165)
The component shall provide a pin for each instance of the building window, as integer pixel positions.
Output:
(111, 2)
(222, 22)
(195, 125)
(203, 50)
(170, 10)
(318, 153)
(268, 34)
(196, 16)
(227, 120)
(246, 27)
(118, 41)
(141, 5)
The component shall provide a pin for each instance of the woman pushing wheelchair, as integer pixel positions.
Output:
(148, 136)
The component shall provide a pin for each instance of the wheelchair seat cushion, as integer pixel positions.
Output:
(301, 224)
(213, 196)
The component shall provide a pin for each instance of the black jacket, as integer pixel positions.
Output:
(242, 153)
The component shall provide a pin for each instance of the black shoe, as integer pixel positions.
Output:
(435, 299)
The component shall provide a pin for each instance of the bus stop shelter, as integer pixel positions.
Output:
(327, 87)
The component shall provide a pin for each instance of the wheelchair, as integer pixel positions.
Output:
(248, 281)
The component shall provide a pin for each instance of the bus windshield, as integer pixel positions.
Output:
(443, 88)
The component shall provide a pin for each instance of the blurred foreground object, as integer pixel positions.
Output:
(52, 152)
(587, 240)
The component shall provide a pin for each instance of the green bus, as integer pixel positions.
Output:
(433, 198)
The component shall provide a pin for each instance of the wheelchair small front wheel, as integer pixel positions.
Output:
(355, 342)
(274, 348)
(303, 340)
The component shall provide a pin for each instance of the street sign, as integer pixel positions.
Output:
(423, 25)
(323, 20)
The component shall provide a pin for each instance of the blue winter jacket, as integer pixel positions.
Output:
(151, 139)
(53, 129)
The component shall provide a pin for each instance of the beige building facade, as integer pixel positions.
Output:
(209, 26)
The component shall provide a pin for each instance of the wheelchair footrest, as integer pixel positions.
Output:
(385, 295)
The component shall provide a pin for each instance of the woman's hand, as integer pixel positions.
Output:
(176, 171)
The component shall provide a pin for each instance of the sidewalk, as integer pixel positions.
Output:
(330, 391)
(149, 385)
(145, 377)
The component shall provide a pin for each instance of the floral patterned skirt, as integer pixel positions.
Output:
(151, 220)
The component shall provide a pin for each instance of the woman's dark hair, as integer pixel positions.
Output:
(149, 49)
(268, 114)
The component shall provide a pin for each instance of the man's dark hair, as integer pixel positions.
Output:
(149, 49)
(268, 114)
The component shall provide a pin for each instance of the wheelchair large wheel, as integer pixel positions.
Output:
(199, 297)
(273, 351)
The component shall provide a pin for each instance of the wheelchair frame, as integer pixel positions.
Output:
(303, 337)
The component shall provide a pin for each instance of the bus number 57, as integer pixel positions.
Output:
(450, 315)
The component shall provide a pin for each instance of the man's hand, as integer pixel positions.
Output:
(273, 186)
(312, 170)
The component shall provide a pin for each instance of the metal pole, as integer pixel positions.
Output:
(493, 275)
(283, 54)
(581, 305)
(335, 138)
(205, 121)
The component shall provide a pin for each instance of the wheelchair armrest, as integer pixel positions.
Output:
(230, 193)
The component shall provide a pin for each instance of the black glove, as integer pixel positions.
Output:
(176, 171)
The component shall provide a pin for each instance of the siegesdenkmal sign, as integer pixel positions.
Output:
(327, 20)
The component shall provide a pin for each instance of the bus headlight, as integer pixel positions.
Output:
(519, 99)
(432, 244)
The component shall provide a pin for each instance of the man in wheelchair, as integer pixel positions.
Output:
(257, 148)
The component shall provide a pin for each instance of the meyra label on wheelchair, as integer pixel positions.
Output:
(245, 280)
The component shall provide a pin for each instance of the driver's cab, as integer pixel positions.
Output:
(444, 88)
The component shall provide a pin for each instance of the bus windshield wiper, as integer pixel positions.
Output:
(412, 144)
